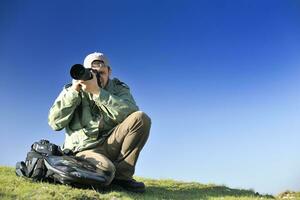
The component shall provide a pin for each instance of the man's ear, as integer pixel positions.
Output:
(109, 71)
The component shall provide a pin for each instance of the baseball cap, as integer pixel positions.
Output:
(87, 63)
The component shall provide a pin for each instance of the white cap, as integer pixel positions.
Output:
(87, 63)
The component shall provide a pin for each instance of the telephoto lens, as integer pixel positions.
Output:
(79, 72)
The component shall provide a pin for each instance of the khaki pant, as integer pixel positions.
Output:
(120, 151)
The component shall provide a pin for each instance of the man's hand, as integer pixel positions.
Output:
(76, 85)
(91, 86)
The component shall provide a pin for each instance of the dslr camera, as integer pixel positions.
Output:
(79, 72)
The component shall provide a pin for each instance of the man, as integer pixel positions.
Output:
(102, 122)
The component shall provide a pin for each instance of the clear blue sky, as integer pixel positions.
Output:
(220, 80)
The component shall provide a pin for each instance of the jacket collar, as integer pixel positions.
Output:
(109, 85)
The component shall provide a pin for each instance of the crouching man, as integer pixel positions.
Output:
(103, 124)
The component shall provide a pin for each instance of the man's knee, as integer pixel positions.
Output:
(140, 121)
(143, 118)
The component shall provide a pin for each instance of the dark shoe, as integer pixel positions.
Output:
(130, 185)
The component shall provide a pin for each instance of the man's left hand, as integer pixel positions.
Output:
(91, 86)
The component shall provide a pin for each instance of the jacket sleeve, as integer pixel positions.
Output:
(62, 110)
(118, 105)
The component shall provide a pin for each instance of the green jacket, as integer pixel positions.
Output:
(89, 119)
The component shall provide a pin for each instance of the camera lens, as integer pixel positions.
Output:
(78, 72)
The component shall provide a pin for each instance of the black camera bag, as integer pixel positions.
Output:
(46, 162)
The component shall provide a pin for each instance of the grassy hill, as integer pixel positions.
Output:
(13, 187)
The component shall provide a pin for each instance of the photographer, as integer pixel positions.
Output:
(102, 122)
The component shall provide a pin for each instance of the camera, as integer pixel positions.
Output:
(46, 148)
(79, 72)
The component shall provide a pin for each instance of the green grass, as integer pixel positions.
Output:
(289, 195)
(13, 187)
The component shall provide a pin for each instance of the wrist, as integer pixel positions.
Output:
(73, 89)
(76, 87)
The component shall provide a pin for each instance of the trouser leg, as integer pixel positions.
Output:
(98, 159)
(124, 145)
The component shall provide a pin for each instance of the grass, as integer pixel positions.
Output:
(289, 195)
(13, 187)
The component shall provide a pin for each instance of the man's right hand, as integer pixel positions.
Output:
(76, 85)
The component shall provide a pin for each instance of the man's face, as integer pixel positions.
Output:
(103, 70)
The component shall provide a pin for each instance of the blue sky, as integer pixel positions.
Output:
(220, 80)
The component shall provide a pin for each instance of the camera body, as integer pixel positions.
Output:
(46, 148)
